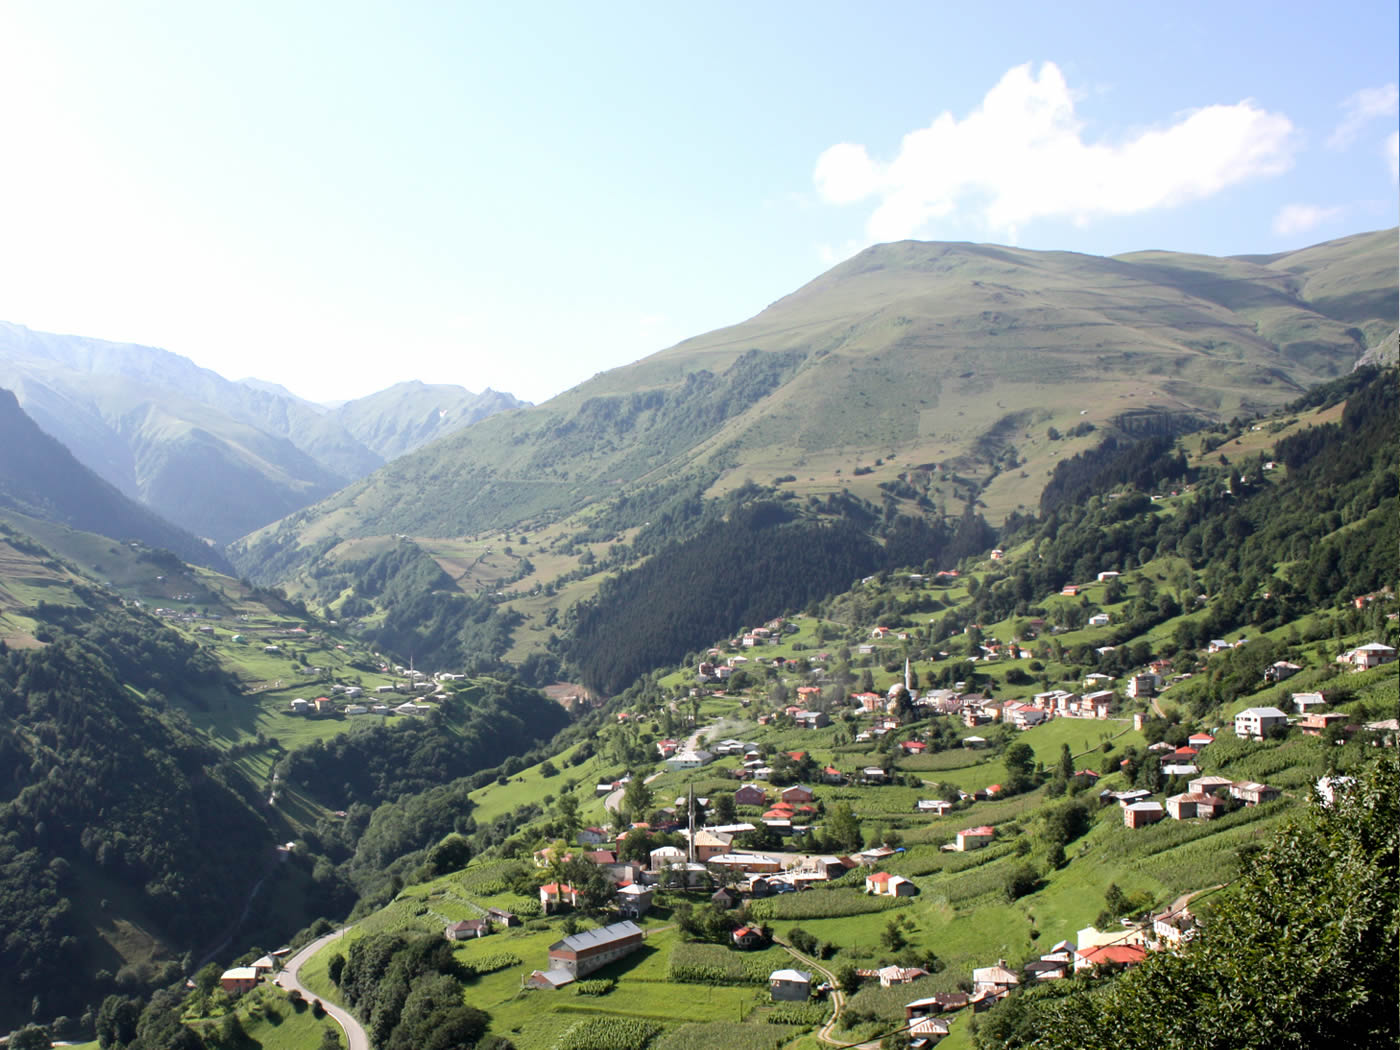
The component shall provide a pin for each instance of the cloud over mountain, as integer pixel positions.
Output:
(1023, 155)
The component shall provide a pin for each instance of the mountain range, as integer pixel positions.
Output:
(40, 478)
(216, 457)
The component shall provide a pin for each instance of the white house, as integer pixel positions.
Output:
(1331, 786)
(689, 760)
(1373, 654)
(1254, 722)
(1145, 684)
(975, 838)
(790, 985)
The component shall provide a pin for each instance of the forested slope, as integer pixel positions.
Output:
(107, 789)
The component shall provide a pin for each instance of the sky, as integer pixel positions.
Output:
(338, 197)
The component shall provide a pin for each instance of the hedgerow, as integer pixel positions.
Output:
(730, 1035)
(715, 964)
(800, 1014)
(608, 1033)
(490, 963)
(823, 904)
(598, 987)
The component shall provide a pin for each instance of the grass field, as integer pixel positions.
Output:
(271, 1021)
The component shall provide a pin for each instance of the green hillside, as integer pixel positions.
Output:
(1294, 565)
(915, 380)
(1176, 559)
(157, 765)
(911, 353)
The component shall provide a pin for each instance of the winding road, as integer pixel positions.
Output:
(838, 997)
(288, 979)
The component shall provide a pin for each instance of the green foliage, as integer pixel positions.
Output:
(654, 613)
(798, 1014)
(1300, 953)
(727, 1034)
(697, 963)
(425, 614)
(608, 1033)
(30, 1037)
(594, 988)
(98, 780)
(1019, 881)
(481, 965)
(823, 904)
(1146, 464)
(381, 762)
(802, 940)
(1020, 767)
(842, 828)
(406, 989)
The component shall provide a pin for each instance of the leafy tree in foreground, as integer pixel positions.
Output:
(1302, 952)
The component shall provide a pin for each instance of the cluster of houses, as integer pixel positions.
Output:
(487, 923)
(188, 616)
(1206, 798)
(977, 710)
(422, 687)
(1309, 718)
(709, 854)
(325, 706)
(1093, 952)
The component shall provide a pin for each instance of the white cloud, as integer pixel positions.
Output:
(1360, 109)
(1021, 156)
(1299, 218)
(1392, 155)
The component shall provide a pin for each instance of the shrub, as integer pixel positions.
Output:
(608, 1033)
(823, 904)
(489, 964)
(706, 1035)
(804, 1014)
(599, 987)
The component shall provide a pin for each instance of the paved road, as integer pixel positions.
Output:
(288, 980)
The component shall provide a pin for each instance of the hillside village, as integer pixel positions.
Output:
(922, 808)
(771, 816)
(901, 813)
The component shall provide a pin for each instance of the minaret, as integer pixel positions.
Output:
(908, 680)
(690, 858)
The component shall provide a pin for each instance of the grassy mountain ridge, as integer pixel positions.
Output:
(920, 378)
(909, 353)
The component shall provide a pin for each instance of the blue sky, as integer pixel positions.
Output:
(341, 196)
